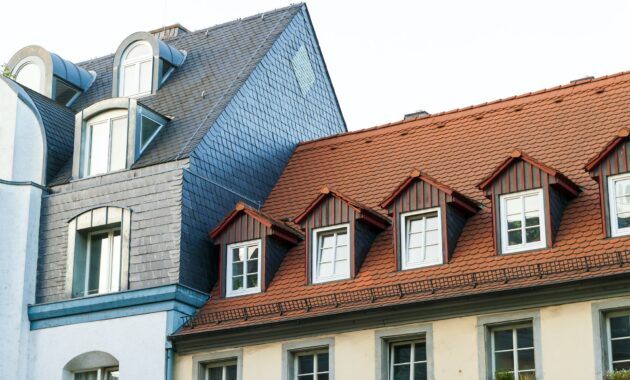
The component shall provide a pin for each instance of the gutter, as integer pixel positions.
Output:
(23, 183)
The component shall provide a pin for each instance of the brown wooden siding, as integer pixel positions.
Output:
(520, 176)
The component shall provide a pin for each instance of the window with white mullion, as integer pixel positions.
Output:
(331, 253)
(421, 238)
(311, 365)
(101, 273)
(619, 204)
(522, 221)
(513, 350)
(136, 70)
(618, 329)
(408, 361)
(106, 145)
(221, 371)
(243, 268)
(98, 374)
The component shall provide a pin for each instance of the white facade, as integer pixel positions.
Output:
(22, 155)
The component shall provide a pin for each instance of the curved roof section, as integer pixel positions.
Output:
(57, 66)
(160, 48)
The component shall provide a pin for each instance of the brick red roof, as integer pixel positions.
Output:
(563, 128)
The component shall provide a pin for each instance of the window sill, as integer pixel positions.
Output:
(524, 250)
(230, 294)
(329, 280)
(428, 265)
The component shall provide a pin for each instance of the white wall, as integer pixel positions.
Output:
(21, 159)
(137, 342)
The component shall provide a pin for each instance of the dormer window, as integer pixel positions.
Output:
(106, 143)
(243, 268)
(619, 204)
(29, 74)
(522, 221)
(331, 260)
(149, 128)
(136, 70)
(422, 239)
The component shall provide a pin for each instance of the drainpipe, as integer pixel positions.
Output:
(169, 363)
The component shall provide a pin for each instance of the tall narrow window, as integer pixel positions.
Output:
(522, 221)
(136, 70)
(243, 268)
(618, 326)
(619, 204)
(105, 143)
(313, 365)
(408, 361)
(221, 371)
(97, 267)
(331, 254)
(513, 351)
(421, 239)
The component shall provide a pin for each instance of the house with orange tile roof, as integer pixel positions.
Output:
(477, 243)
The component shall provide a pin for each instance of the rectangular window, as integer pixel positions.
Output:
(513, 351)
(97, 267)
(311, 365)
(421, 239)
(331, 254)
(243, 268)
(408, 360)
(619, 204)
(98, 374)
(221, 371)
(106, 145)
(618, 340)
(522, 221)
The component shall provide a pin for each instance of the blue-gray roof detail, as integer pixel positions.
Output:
(170, 54)
(71, 73)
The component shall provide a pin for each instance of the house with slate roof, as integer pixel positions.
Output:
(113, 170)
(484, 240)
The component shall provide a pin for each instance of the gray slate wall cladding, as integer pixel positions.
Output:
(249, 145)
(154, 196)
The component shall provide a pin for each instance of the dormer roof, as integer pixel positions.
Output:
(608, 149)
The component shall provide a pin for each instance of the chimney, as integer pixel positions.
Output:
(417, 114)
(170, 31)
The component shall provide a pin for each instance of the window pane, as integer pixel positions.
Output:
(138, 51)
(230, 372)
(415, 225)
(92, 375)
(130, 80)
(252, 266)
(342, 239)
(322, 362)
(532, 219)
(514, 206)
(415, 240)
(328, 241)
(532, 234)
(525, 359)
(98, 148)
(112, 374)
(29, 75)
(414, 255)
(621, 349)
(237, 283)
(341, 267)
(115, 270)
(420, 371)
(433, 253)
(420, 353)
(326, 255)
(402, 372)
(515, 237)
(236, 255)
(433, 237)
(623, 220)
(306, 377)
(305, 364)
(432, 223)
(119, 144)
(326, 269)
(252, 253)
(99, 245)
(503, 340)
(215, 373)
(620, 327)
(532, 203)
(621, 366)
(322, 376)
(252, 280)
(149, 127)
(504, 361)
(237, 269)
(343, 253)
(402, 353)
(514, 221)
(146, 68)
(525, 337)
(63, 92)
(622, 187)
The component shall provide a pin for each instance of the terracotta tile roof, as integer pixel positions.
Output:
(563, 128)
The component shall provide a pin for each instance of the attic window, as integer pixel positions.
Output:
(243, 268)
(619, 203)
(331, 259)
(149, 128)
(136, 70)
(522, 221)
(64, 93)
(29, 74)
(105, 143)
(303, 70)
(421, 239)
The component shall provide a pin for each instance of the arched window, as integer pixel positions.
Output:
(136, 70)
(95, 365)
(29, 73)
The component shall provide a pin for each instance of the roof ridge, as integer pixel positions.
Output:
(581, 82)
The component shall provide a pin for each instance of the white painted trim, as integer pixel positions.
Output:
(316, 279)
(137, 62)
(505, 249)
(403, 238)
(228, 277)
(615, 231)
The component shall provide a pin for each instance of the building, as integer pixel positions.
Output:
(113, 170)
(458, 245)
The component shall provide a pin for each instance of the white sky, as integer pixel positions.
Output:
(385, 58)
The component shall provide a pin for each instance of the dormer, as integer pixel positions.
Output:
(339, 232)
(252, 246)
(428, 219)
(611, 169)
(50, 75)
(528, 199)
(111, 135)
(142, 64)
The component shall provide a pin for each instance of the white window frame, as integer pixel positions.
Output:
(314, 353)
(403, 238)
(124, 62)
(110, 287)
(316, 278)
(615, 231)
(109, 117)
(100, 372)
(412, 362)
(220, 364)
(229, 292)
(515, 348)
(524, 246)
(609, 338)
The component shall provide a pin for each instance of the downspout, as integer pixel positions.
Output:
(169, 363)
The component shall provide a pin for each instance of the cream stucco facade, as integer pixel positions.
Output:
(568, 343)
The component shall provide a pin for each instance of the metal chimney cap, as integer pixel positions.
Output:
(417, 114)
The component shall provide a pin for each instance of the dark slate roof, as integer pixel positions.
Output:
(59, 126)
(219, 61)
